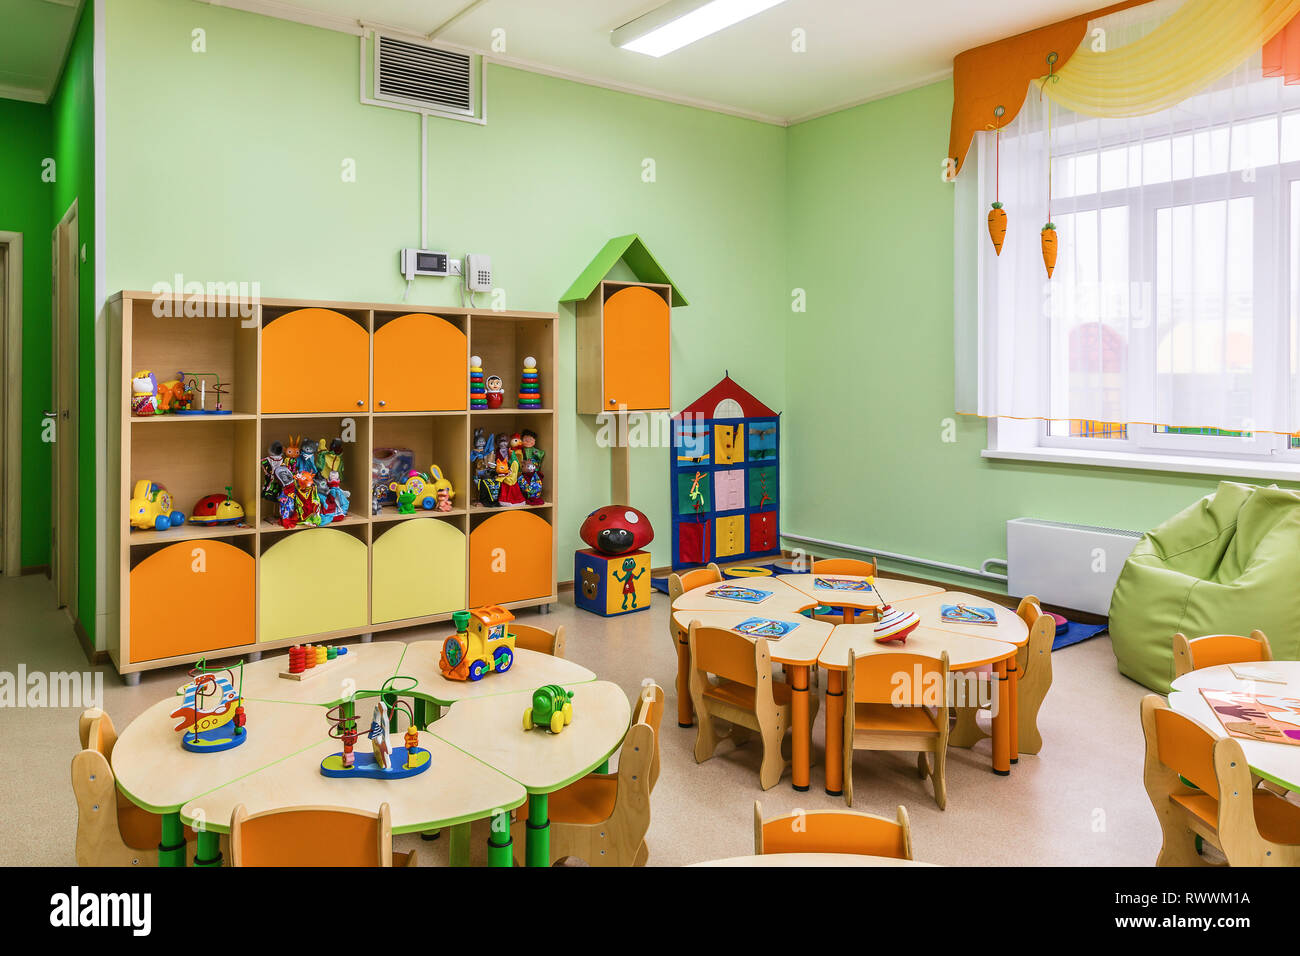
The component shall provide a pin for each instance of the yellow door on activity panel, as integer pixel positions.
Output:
(731, 535)
(729, 444)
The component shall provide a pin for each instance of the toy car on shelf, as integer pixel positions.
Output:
(151, 507)
(217, 509)
(552, 708)
(482, 644)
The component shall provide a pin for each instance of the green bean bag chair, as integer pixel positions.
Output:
(1228, 564)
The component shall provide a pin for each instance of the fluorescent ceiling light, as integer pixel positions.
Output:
(676, 24)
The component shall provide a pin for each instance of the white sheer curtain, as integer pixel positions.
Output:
(1174, 298)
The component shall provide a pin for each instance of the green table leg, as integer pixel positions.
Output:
(603, 768)
(171, 849)
(537, 848)
(499, 853)
(417, 708)
(209, 849)
(458, 852)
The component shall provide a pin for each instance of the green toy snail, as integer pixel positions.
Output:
(552, 708)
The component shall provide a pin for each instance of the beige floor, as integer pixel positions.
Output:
(1080, 802)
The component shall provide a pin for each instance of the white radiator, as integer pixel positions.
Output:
(1069, 565)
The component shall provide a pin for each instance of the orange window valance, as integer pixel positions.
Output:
(999, 74)
(1282, 54)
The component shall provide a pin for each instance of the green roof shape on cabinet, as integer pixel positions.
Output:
(639, 259)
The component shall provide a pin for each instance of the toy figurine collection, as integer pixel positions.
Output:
(304, 478)
(507, 469)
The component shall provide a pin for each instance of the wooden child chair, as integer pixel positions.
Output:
(679, 584)
(745, 695)
(111, 830)
(314, 836)
(833, 831)
(1194, 653)
(532, 638)
(850, 566)
(1034, 664)
(874, 721)
(603, 818)
(1251, 826)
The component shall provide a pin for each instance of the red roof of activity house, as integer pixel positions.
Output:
(706, 403)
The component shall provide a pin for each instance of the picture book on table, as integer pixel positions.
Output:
(1257, 672)
(734, 592)
(965, 614)
(840, 584)
(764, 627)
(1266, 717)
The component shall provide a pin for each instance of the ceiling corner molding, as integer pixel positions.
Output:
(293, 13)
(25, 94)
(882, 95)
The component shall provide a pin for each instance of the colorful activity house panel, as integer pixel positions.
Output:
(724, 479)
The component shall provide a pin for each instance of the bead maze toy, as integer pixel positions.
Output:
(552, 708)
(212, 709)
(197, 383)
(384, 762)
(482, 643)
(311, 660)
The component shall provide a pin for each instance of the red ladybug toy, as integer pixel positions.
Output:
(616, 529)
(217, 509)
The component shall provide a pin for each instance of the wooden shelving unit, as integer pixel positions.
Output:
(377, 374)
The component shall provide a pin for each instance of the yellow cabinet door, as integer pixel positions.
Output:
(417, 569)
(312, 582)
(636, 342)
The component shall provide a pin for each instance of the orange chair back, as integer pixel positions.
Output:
(1215, 649)
(838, 832)
(725, 653)
(538, 639)
(844, 566)
(650, 711)
(1029, 610)
(1186, 748)
(679, 584)
(310, 836)
(904, 680)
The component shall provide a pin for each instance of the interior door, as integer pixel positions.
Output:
(63, 543)
(4, 386)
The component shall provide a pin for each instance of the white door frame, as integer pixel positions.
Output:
(66, 422)
(11, 404)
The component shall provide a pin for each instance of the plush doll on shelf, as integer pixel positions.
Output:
(144, 394)
(530, 482)
(307, 451)
(507, 474)
(531, 451)
(329, 459)
(300, 503)
(291, 453)
(271, 485)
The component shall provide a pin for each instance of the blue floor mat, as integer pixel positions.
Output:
(1077, 632)
(659, 584)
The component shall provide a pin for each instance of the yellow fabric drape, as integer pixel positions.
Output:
(1203, 41)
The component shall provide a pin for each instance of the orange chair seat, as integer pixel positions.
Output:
(589, 800)
(886, 718)
(1278, 820)
(742, 695)
(140, 829)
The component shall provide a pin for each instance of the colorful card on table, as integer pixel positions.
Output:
(734, 592)
(840, 584)
(764, 627)
(965, 614)
(1257, 672)
(1264, 717)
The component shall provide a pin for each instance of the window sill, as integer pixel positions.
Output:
(1183, 464)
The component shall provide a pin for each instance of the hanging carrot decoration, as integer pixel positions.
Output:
(998, 215)
(1047, 237)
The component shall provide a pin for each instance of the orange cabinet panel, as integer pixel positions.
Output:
(191, 597)
(315, 361)
(510, 557)
(635, 337)
(421, 365)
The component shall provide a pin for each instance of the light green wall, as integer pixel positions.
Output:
(226, 165)
(26, 201)
(869, 371)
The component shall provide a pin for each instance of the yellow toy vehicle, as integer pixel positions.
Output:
(482, 643)
(151, 507)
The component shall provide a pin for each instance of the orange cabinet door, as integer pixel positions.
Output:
(510, 559)
(421, 365)
(636, 339)
(189, 598)
(315, 360)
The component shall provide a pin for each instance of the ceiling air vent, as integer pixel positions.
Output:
(436, 79)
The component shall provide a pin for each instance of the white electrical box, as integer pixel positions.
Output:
(478, 272)
(424, 262)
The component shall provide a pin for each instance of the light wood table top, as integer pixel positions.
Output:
(363, 669)
(457, 788)
(1009, 628)
(963, 652)
(784, 599)
(811, 859)
(530, 670)
(155, 772)
(491, 729)
(800, 646)
(1279, 763)
(895, 590)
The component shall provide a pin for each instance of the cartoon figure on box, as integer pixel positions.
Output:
(628, 580)
(272, 486)
(144, 394)
(218, 509)
(530, 482)
(151, 507)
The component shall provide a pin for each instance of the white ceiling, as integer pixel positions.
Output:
(34, 40)
(856, 49)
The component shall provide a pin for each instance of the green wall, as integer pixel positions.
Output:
(226, 165)
(869, 370)
(26, 201)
